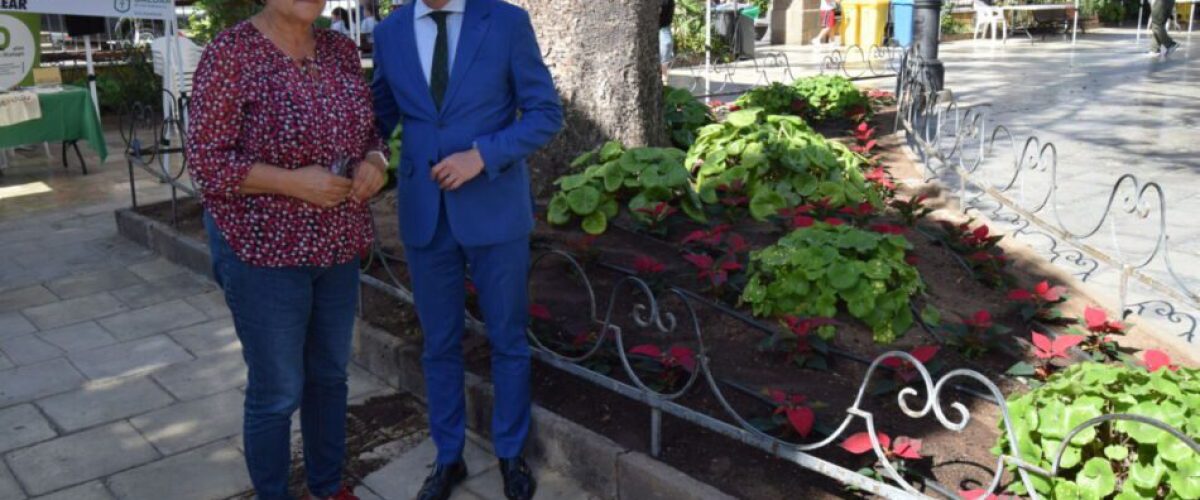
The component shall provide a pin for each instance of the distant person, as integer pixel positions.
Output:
(828, 21)
(369, 20)
(666, 42)
(341, 21)
(1161, 43)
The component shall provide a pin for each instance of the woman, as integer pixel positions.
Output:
(277, 107)
(341, 21)
(828, 21)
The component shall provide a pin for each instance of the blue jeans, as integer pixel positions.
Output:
(500, 273)
(295, 325)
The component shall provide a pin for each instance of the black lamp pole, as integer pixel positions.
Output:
(926, 27)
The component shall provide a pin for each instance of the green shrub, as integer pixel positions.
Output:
(120, 85)
(683, 115)
(778, 161)
(612, 174)
(832, 97)
(815, 270)
(775, 99)
(1120, 459)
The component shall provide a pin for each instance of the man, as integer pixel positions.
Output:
(456, 74)
(1161, 42)
(666, 42)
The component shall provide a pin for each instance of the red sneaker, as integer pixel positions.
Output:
(342, 494)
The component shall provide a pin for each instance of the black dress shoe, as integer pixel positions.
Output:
(518, 479)
(442, 481)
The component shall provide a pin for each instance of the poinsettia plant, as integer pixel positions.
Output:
(912, 210)
(902, 452)
(903, 372)
(1040, 303)
(1051, 354)
(1117, 458)
(650, 270)
(654, 217)
(670, 367)
(798, 344)
(1098, 331)
(978, 334)
(980, 250)
(713, 272)
(794, 409)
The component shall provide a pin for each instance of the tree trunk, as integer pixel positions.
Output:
(604, 58)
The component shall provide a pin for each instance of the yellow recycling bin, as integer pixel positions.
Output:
(863, 22)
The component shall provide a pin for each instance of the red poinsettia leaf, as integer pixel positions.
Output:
(888, 229)
(539, 311)
(777, 395)
(981, 232)
(861, 443)
(1155, 359)
(977, 494)
(980, 256)
(645, 264)
(1095, 318)
(684, 356)
(1064, 342)
(1041, 288)
(1055, 294)
(924, 353)
(869, 145)
(982, 319)
(802, 419)
(802, 221)
(699, 260)
(737, 244)
(694, 236)
(1020, 295)
(730, 265)
(912, 259)
(906, 447)
(834, 221)
(648, 350)
(1045, 348)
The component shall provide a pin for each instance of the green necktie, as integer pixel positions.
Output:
(439, 77)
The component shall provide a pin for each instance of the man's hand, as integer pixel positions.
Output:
(457, 169)
(315, 184)
(369, 177)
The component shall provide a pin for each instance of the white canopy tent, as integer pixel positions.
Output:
(160, 10)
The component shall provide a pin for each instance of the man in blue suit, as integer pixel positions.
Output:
(466, 80)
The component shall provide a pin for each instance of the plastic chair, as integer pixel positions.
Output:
(991, 18)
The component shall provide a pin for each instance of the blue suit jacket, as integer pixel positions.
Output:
(498, 73)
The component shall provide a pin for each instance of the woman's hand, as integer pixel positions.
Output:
(369, 178)
(318, 186)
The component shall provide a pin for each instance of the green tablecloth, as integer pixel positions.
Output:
(68, 115)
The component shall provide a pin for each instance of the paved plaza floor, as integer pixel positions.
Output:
(120, 373)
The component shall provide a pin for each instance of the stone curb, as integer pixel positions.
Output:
(601, 466)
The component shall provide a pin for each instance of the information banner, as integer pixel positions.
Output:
(20, 48)
(143, 9)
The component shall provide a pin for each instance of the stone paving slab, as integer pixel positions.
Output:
(178, 286)
(80, 457)
(28, 349)
(93, 282)
(402, 478)
(26, 383)
(203, 376)
(5, 364)
(154, 319)
(69, 312)
(130, 358)
(13, 324)
(187, 425)
(104, 401)
(8, 485)
(21, 298)
(22, 426)
(156, 269)
(213, 337)
(211, 304)
(211, 472)
(79, 337)
(94, 490)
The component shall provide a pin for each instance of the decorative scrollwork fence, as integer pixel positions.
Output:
(1018, 182)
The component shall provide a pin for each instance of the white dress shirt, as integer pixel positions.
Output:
(425, 29)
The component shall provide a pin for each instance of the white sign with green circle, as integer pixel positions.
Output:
(18, 51)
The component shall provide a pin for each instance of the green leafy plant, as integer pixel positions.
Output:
(1116, 459)
(813, 271)
(683, 115)
(829, 97)
(644, 177)
(776, 162)
(211, 17)
(774, 99)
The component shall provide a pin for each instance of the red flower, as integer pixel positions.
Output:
(539, 311)
(646, 265)
(1044, 348)
(880, 176)
(1097, 321)
(801, 417)
(904, 447)
(905, 369)
(981, 320)
(676, 356)
(1155, 359)
(1020, 295)
(888, 229)
(1049, 293)
(864, 132)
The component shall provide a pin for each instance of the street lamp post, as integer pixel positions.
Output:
(926, 29)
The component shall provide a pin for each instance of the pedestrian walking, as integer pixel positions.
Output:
(1161, 43)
